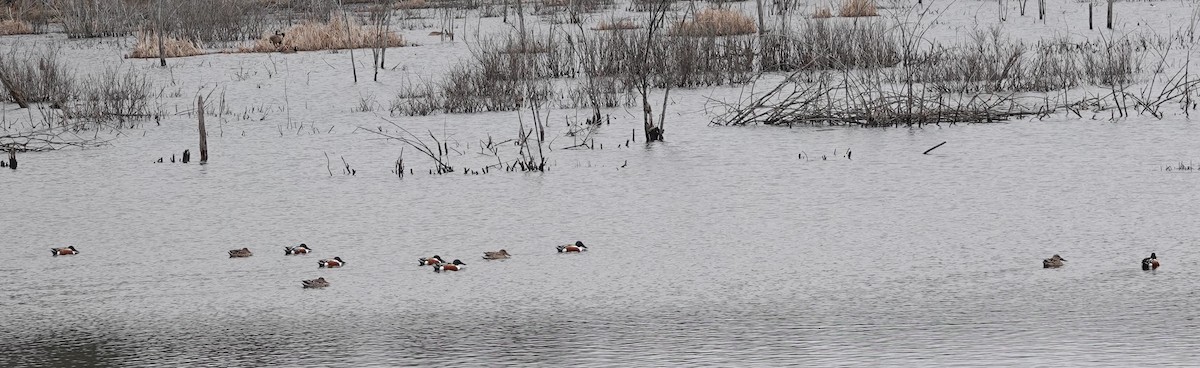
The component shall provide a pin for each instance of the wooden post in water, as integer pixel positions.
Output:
(1110, 13)
(1089, 16)
(12, 158)
(203, 133)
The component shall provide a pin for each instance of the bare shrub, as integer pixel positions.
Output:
(858, 8)
(715, 22)
(311, 36)
(147, 46)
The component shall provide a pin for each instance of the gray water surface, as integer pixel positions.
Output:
(717, 247)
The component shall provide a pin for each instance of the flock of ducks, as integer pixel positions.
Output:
(439, 264)
(1148, 263)
(436, 261)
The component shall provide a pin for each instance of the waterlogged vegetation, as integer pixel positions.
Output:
(786, 63)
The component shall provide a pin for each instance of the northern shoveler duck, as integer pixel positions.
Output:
(1053, 262)
(237, 253)
(64, 251)
(432, 261)
(300, 249)
(331, 263)
(315, 283)
(502, 254)
(577, 247)
(1150, 263)
(457, 265)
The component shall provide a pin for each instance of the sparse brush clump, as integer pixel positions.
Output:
(615, 24)
(858, 8)
(411, 4)
(822, 12)
(147, 46)
(34, 75)
(101, 18)
(15, 27)
(312, 36)
(818, 44)
(992, 62)
(114, 95)
(715, 22)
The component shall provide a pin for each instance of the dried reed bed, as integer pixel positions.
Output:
(312, 36)
(15, 27)
(858, 8)
(715, 22)
(147, 46)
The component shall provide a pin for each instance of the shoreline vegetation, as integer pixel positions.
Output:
(845, 62)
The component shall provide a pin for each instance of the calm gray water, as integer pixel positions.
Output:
(718, 247)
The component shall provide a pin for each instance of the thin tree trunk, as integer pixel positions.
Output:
(346, 19)
(162, 57)
(203, 133)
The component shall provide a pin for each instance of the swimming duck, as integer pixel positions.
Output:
(331, 263)
(457, 265)
(1053, 262)
(577, 247)
(502, 254)
(238, 253)
(315, 283)
(64, 251)
(300, 249)
(435, 260)
(1150, 263)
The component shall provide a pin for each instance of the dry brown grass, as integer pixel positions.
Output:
(858, 8)
(147, 46)
(716, 22)
(312, 36)
(615, 24)
(15, 27)
(822, 12)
